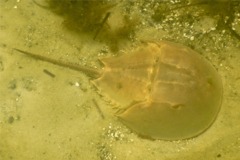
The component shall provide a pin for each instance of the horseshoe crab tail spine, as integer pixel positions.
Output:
(92, 72)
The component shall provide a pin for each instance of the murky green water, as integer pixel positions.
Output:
(52, 112)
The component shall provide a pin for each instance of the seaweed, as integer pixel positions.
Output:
(103, 20)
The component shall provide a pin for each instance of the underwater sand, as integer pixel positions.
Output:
(46, 117)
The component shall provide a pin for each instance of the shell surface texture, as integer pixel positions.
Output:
(165, 90)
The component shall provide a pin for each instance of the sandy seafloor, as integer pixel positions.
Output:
(55, 118)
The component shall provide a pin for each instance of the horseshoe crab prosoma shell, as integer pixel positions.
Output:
(165, 90)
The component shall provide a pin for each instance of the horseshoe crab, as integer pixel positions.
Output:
(164, 90)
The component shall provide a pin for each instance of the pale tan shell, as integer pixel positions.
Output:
(166, 90)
